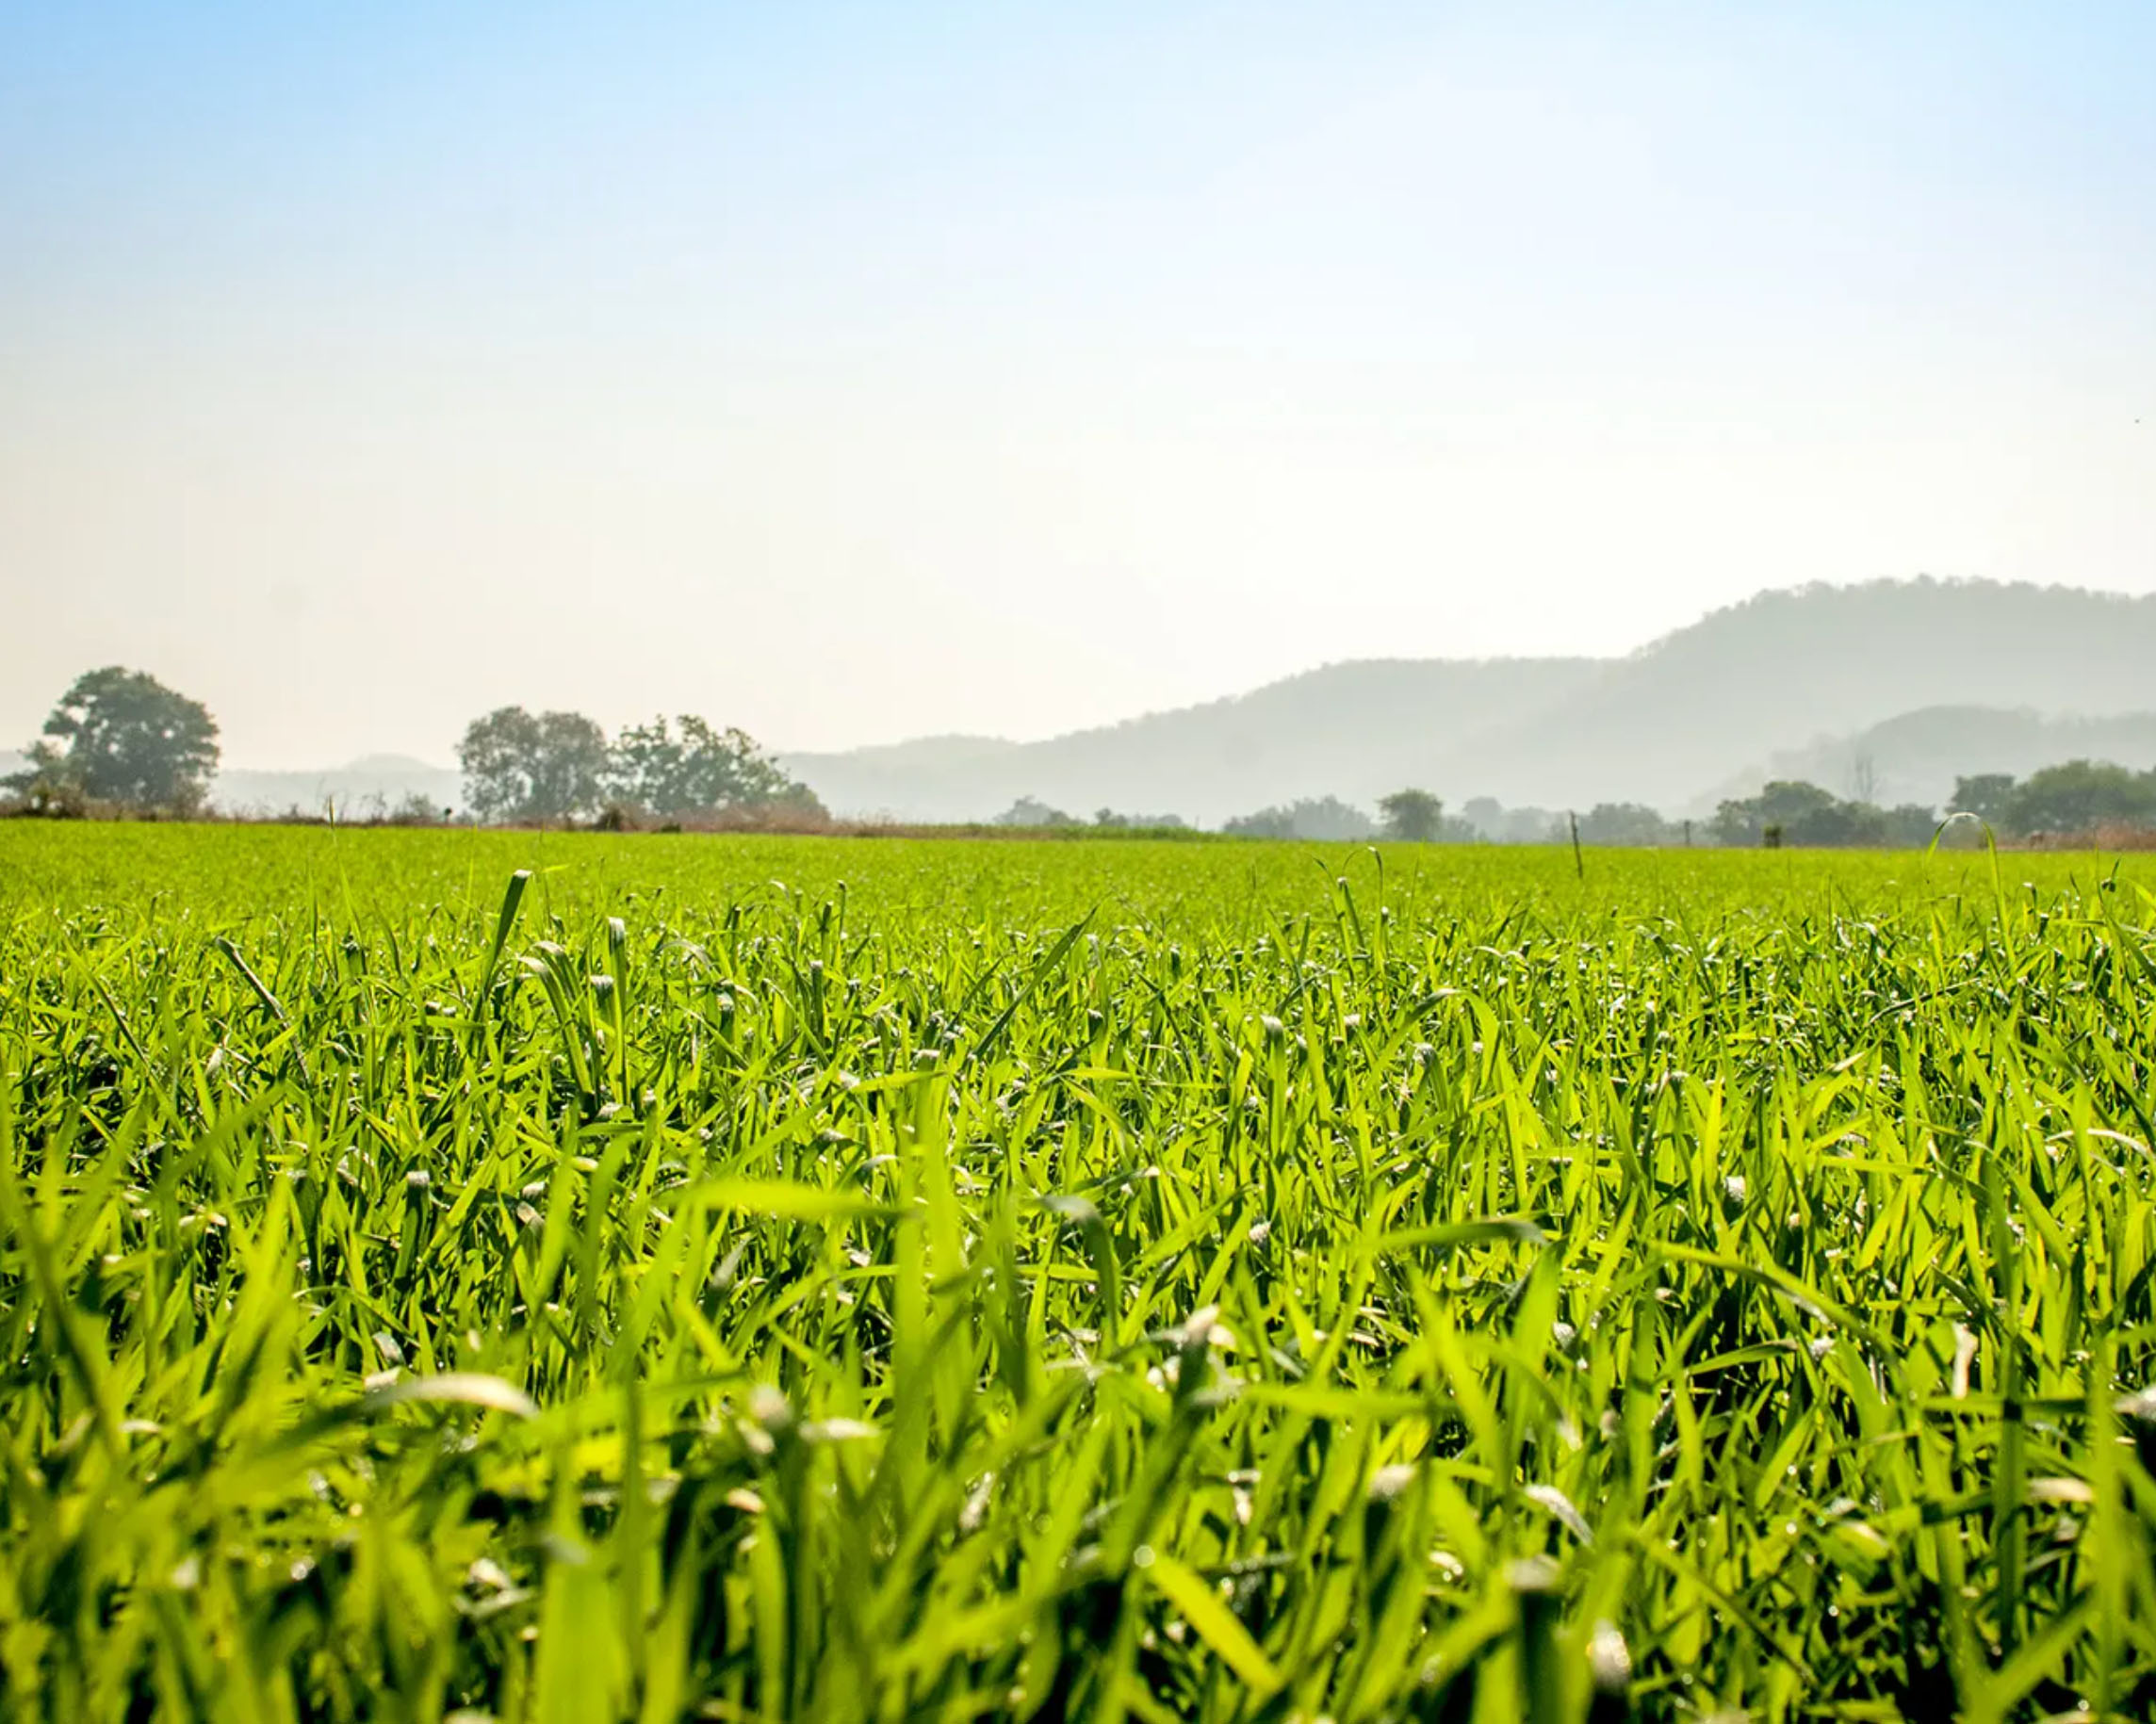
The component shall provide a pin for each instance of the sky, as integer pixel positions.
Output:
(856, 372)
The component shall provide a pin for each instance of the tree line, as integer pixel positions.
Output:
(560, 767)
(2078, 798)
(119, 740)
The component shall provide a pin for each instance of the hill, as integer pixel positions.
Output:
(1917, 756)
(1357, 729)
(1786, 670)
(1707, 707)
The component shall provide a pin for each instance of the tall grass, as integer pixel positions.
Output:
(1109, 1282)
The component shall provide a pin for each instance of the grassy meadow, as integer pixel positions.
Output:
(565, 1277)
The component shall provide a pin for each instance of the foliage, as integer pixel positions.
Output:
(1624, 824)
(120, 736)
(1108, 819)
(1069, 1282)
(1488, 821)
(1412, 817)
(699, 769)
(1793, 812)
(1314, 817)
(1030, 811)
(1985, 795)
(559, 767)
(2079, 796)
(518, 766)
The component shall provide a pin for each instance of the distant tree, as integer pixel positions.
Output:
(696, 769)
(1412, 816)
(2079, 796)
(1030, 811)
(1863, 776)
(1623, 823)
(1312, 816)
(120, 736)
(1486, 819)
(1791, 807)
(1109, 820)
(1835, 825)
(1789, 811)
(1263, 823)
(518, 766)
(1985, 795)
(1486, 816)
(1911, 825)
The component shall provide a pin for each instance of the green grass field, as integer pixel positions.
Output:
(766, 1279)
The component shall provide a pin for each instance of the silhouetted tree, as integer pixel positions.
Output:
(522, 766)
(1412, 816)
(120, 736)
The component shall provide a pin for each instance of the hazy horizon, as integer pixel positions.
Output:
(855, 375)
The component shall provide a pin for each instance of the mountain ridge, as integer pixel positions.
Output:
(1667, 724)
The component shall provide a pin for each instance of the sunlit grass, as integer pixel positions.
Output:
(1069, 1282)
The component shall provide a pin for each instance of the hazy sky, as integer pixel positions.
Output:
(854, 372)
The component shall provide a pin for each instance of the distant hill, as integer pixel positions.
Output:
(1917, 756)
(1356, 730)
(374, 784)
(1786, 670)
(1695, 710)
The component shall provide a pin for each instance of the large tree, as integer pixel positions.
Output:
(120, 736)
(2079, 796)
(1412, 816)
(520, 766)
(698, 769)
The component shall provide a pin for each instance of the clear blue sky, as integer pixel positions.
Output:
(853, 372)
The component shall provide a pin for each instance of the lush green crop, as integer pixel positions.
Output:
(1068, 1281)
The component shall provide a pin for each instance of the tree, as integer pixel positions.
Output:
(702, 770)
(1312, 817)
(519, 767)
(1412, 816)
(1623, 823)
(1790, 806)
(120, 736)
(1985, 795)
(1863, 776)
(1792, 812)
(1911, 825)
(2079, 796)
(1032, 811)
